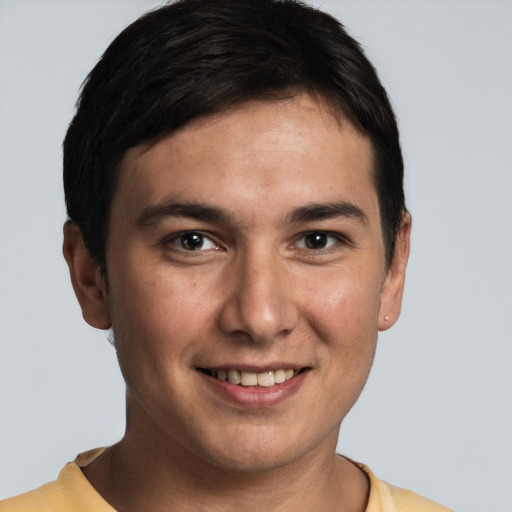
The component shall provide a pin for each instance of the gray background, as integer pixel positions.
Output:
(436, 415)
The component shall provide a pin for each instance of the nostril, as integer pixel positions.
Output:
(259, 305)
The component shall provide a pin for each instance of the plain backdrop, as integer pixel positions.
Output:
(436, 415)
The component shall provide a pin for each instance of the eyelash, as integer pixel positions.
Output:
(336, 239)
(176, 237)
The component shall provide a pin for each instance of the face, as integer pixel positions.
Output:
(247, 246)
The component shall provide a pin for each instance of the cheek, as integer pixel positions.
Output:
(159, 299)
(156, 317)
(344, 317)
(155, 328)
(345, 307)
(348, 329)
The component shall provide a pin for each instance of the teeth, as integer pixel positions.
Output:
(264, 379)
(279, 376)
(248, 379)
(234, 377)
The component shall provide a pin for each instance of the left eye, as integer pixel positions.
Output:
(193, 241)
(317, 240)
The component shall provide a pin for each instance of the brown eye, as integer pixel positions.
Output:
(316, 240)
(193, 241)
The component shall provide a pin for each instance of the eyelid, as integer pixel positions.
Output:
(170, 240)
(340, 238)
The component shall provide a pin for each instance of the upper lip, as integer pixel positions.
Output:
(260, 368)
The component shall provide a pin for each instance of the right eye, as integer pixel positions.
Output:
(192, 241)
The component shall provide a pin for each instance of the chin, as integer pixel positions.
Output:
(252, 462)
(260, 452)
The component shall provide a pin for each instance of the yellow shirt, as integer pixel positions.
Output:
(72, 492)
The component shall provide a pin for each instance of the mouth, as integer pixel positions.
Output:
(266, 379)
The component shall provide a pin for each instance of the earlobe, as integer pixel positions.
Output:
(392, 291)
(86, 278)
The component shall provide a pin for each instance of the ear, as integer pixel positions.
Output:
(86, 278)
(392, 291)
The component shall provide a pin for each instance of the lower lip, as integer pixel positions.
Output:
(255, 397)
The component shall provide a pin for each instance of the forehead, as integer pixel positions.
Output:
(261, 153)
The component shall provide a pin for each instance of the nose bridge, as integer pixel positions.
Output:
(260, 303)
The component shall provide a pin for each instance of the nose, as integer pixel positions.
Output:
(259, 301)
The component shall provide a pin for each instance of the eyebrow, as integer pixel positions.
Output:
(204, 212)
(198, 211)
(325, 211)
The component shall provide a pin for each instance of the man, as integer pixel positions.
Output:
(233, 181)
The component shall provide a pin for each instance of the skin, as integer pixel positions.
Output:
(254, 294)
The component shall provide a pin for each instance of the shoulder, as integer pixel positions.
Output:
(405, 500)
(45, 498)
(388, 498)
(71, 491)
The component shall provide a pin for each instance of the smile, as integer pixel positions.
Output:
(244, 378)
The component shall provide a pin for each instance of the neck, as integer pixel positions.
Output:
(149, 473)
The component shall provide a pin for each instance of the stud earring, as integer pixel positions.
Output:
(386, 318)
